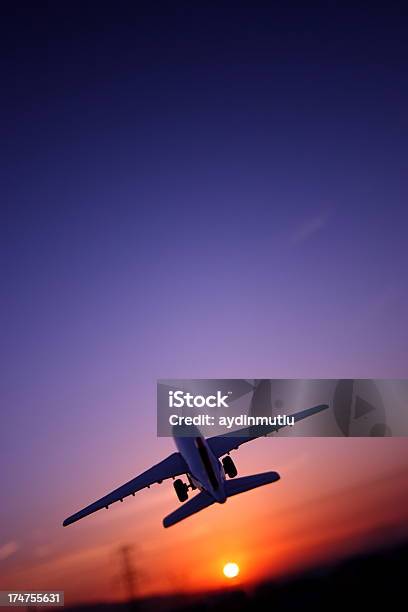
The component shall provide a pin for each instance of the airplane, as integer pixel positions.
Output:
(203, 462)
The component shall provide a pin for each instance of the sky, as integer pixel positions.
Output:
(211, 190)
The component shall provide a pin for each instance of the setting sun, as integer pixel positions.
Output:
(231, 570)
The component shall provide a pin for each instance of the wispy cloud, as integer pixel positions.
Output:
(8, 549)
(42, 551)
(309, 228)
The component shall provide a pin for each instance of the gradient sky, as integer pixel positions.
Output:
(209, 191)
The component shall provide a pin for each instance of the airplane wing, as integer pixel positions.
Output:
(173, 465)
(220, 445)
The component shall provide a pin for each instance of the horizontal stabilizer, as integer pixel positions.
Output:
(240, 485)
(197, 503)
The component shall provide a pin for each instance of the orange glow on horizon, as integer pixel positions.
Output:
(318, 512)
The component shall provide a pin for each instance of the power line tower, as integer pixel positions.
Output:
(129, 575)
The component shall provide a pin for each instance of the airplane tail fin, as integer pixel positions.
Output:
(246, 483)
(197, 503)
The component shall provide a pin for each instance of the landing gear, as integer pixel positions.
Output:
(191, 483)
(229, 467)
(181, 489)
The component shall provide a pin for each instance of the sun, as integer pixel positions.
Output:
(231, 570)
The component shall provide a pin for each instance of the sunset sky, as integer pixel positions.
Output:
(208, 192)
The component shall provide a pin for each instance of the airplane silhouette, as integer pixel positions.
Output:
(199, 459)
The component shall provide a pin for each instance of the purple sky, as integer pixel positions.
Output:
(209, 192)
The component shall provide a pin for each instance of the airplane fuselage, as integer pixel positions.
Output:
(206, 471)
